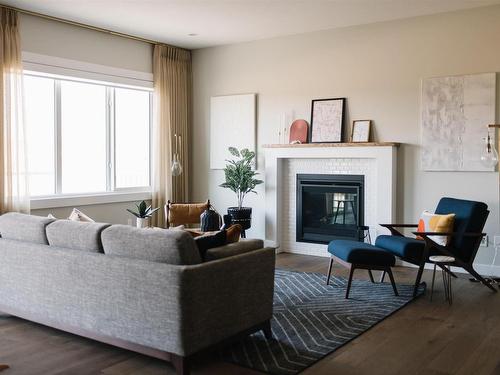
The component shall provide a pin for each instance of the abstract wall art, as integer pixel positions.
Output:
(455, 113)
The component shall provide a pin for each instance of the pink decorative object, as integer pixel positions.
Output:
(299, 131)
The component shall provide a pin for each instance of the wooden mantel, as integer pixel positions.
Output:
(357, 144)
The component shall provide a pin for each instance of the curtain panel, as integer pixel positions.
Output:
(172, 111)
(14, 194)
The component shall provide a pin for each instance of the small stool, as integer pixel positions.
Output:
(360, 255)
(444, 262)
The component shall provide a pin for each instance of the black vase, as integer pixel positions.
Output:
(242, 216)
(209, 220)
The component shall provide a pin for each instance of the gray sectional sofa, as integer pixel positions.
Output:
(145, 290)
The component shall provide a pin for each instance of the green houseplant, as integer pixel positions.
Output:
(240, 178)
(143, 213)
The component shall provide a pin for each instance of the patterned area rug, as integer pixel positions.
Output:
(311, 320)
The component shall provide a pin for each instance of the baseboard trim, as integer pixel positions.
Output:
(483, 269)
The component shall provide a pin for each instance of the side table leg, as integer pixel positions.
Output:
(445, 284)
(433, 278)
(450, 295)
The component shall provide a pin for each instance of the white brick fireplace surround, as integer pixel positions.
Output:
(376, 161)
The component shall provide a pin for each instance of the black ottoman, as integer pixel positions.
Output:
(355, 254)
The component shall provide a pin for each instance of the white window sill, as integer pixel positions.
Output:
(88, 199)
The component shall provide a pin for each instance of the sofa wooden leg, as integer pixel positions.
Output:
(268, 332)
(180, 363)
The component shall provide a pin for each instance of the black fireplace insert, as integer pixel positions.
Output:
(329, 207)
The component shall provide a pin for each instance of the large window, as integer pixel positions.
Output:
(86, 138)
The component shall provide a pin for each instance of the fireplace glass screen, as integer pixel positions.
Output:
(329, 207)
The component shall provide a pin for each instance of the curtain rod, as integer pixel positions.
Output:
(90, 27)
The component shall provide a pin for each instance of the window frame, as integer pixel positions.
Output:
(112, 193)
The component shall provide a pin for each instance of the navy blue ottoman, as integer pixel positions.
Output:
(360, 255)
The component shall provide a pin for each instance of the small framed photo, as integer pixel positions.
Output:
(327, 120)
(361, 130)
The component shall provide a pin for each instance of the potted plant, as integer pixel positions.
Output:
(240, 178)
(143, 213)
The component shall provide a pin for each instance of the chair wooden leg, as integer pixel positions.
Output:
(349, 282)
(329, 272)
(393, 283)
(473, 272)
(371, 276)
(419, 277)
(268, 332)
(382, 277)
(180, 363)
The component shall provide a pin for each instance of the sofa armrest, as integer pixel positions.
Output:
(224, 297)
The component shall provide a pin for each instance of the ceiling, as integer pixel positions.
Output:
(216, 22)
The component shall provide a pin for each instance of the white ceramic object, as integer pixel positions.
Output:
(142, 222)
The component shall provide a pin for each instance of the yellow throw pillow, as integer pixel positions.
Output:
(430, 222)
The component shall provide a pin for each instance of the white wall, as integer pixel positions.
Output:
(56, 39)
(379, 69)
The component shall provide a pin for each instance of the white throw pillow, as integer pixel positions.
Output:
(77, 215)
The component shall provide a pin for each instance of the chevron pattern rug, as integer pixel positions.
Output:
(311, 320)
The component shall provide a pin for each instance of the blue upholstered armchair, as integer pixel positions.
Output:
(470, 218)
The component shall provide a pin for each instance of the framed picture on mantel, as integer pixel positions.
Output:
(361, 130)
(327, 120)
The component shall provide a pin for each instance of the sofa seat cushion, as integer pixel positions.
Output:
(76, 235)
(21, 227)
(361, 253)
(403, 247)
(235, 248)
(151, 244)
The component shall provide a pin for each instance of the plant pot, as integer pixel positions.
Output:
(142, 222)
(242, 216)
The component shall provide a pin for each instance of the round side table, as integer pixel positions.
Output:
(445, 262)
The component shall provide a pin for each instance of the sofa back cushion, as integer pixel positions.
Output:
(21, 227)
(156, 245)
(76, 235)
(470, 217)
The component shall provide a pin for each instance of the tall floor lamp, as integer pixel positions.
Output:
(489, 158)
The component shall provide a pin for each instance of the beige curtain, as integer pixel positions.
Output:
(13, 165)
(172, 101)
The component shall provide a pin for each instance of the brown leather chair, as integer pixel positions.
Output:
(187, 214)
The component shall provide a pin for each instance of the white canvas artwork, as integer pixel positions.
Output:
(455, 114)
(232, 123)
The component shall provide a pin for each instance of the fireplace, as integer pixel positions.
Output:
(329, 207)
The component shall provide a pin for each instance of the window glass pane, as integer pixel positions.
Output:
(83, 138)
(131, 138)
(39, 117)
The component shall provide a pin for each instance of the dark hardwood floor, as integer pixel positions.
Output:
(425, 337)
